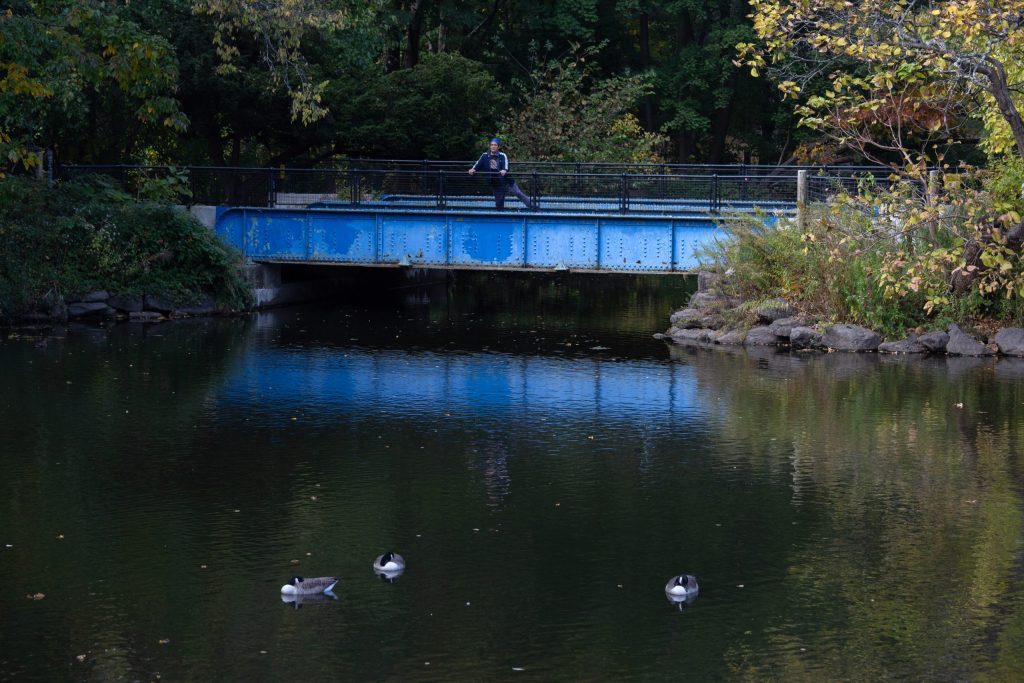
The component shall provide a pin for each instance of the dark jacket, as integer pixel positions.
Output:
(493, 165)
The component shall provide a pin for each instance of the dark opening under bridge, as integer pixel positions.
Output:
(387, 213)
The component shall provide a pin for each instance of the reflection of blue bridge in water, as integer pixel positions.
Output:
(433, 215)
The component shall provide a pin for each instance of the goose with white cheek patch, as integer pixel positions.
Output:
(389, 567)
(389, 562)
(682, 586)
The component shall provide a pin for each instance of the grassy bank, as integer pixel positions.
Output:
(63, 241)
(888, 257)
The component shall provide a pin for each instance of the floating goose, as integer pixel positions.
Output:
(299, 599)
(389, 562)
(300, 586)
(684, 585)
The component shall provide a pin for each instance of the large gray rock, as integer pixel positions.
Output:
(773, 310)
(783, 327)
(95, 297)
(692, 336)
(909, 345)
(708, 281)
(683, 316)
(844, 337)
(804, 338)
(731, 338)
(1010, 341)
(687, 318)
(129, 303)
(712, 321)
(206, 306)
(761, 336)
(81, 309)
(935, 341)
(963, 344)
(709, 300)
(155, 302)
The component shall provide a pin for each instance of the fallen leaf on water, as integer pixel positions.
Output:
(80, 658)
(293, 562)
(202, 566)
(164, 641)
(36, 596)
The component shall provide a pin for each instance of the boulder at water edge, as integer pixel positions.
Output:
(1010, 341)
(963, 344)
(851, 338)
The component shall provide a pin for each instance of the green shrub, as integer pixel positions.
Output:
(887, 260)
(75, 237)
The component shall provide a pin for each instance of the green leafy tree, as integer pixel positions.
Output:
(439, 109)
(80, 72)
(914, 63)
(567, 115)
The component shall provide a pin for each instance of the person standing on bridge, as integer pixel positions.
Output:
(494, 162)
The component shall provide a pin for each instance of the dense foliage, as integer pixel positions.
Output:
(300, 82)
(77, 237)
(902, 82)
(883, 258)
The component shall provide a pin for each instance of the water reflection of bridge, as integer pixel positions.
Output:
(351, 382)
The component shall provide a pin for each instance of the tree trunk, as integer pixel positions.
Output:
(442, 32)
(645, 63)
(1000, 90)
(412, 34)
(720, 127)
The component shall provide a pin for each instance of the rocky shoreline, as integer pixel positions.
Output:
(705, 322)
(101, 304)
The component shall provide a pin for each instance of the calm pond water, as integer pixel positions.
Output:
(544, 466)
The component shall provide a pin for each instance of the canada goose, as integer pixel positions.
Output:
(389, 562)
(300, 586)
(683, 585)
(299, 600)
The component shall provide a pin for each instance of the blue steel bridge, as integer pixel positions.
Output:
(608, 218)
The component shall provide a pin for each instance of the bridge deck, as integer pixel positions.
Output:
(408, 231)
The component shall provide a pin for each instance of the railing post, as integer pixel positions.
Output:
(714, 193)
(801, 199)
(534, 191)
(624, 194)
(440, 189)
(272, 189)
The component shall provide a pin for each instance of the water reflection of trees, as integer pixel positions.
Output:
(916, 465)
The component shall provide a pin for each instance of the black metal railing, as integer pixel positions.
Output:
(447, 185)
(618, 168)
(824, 190)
